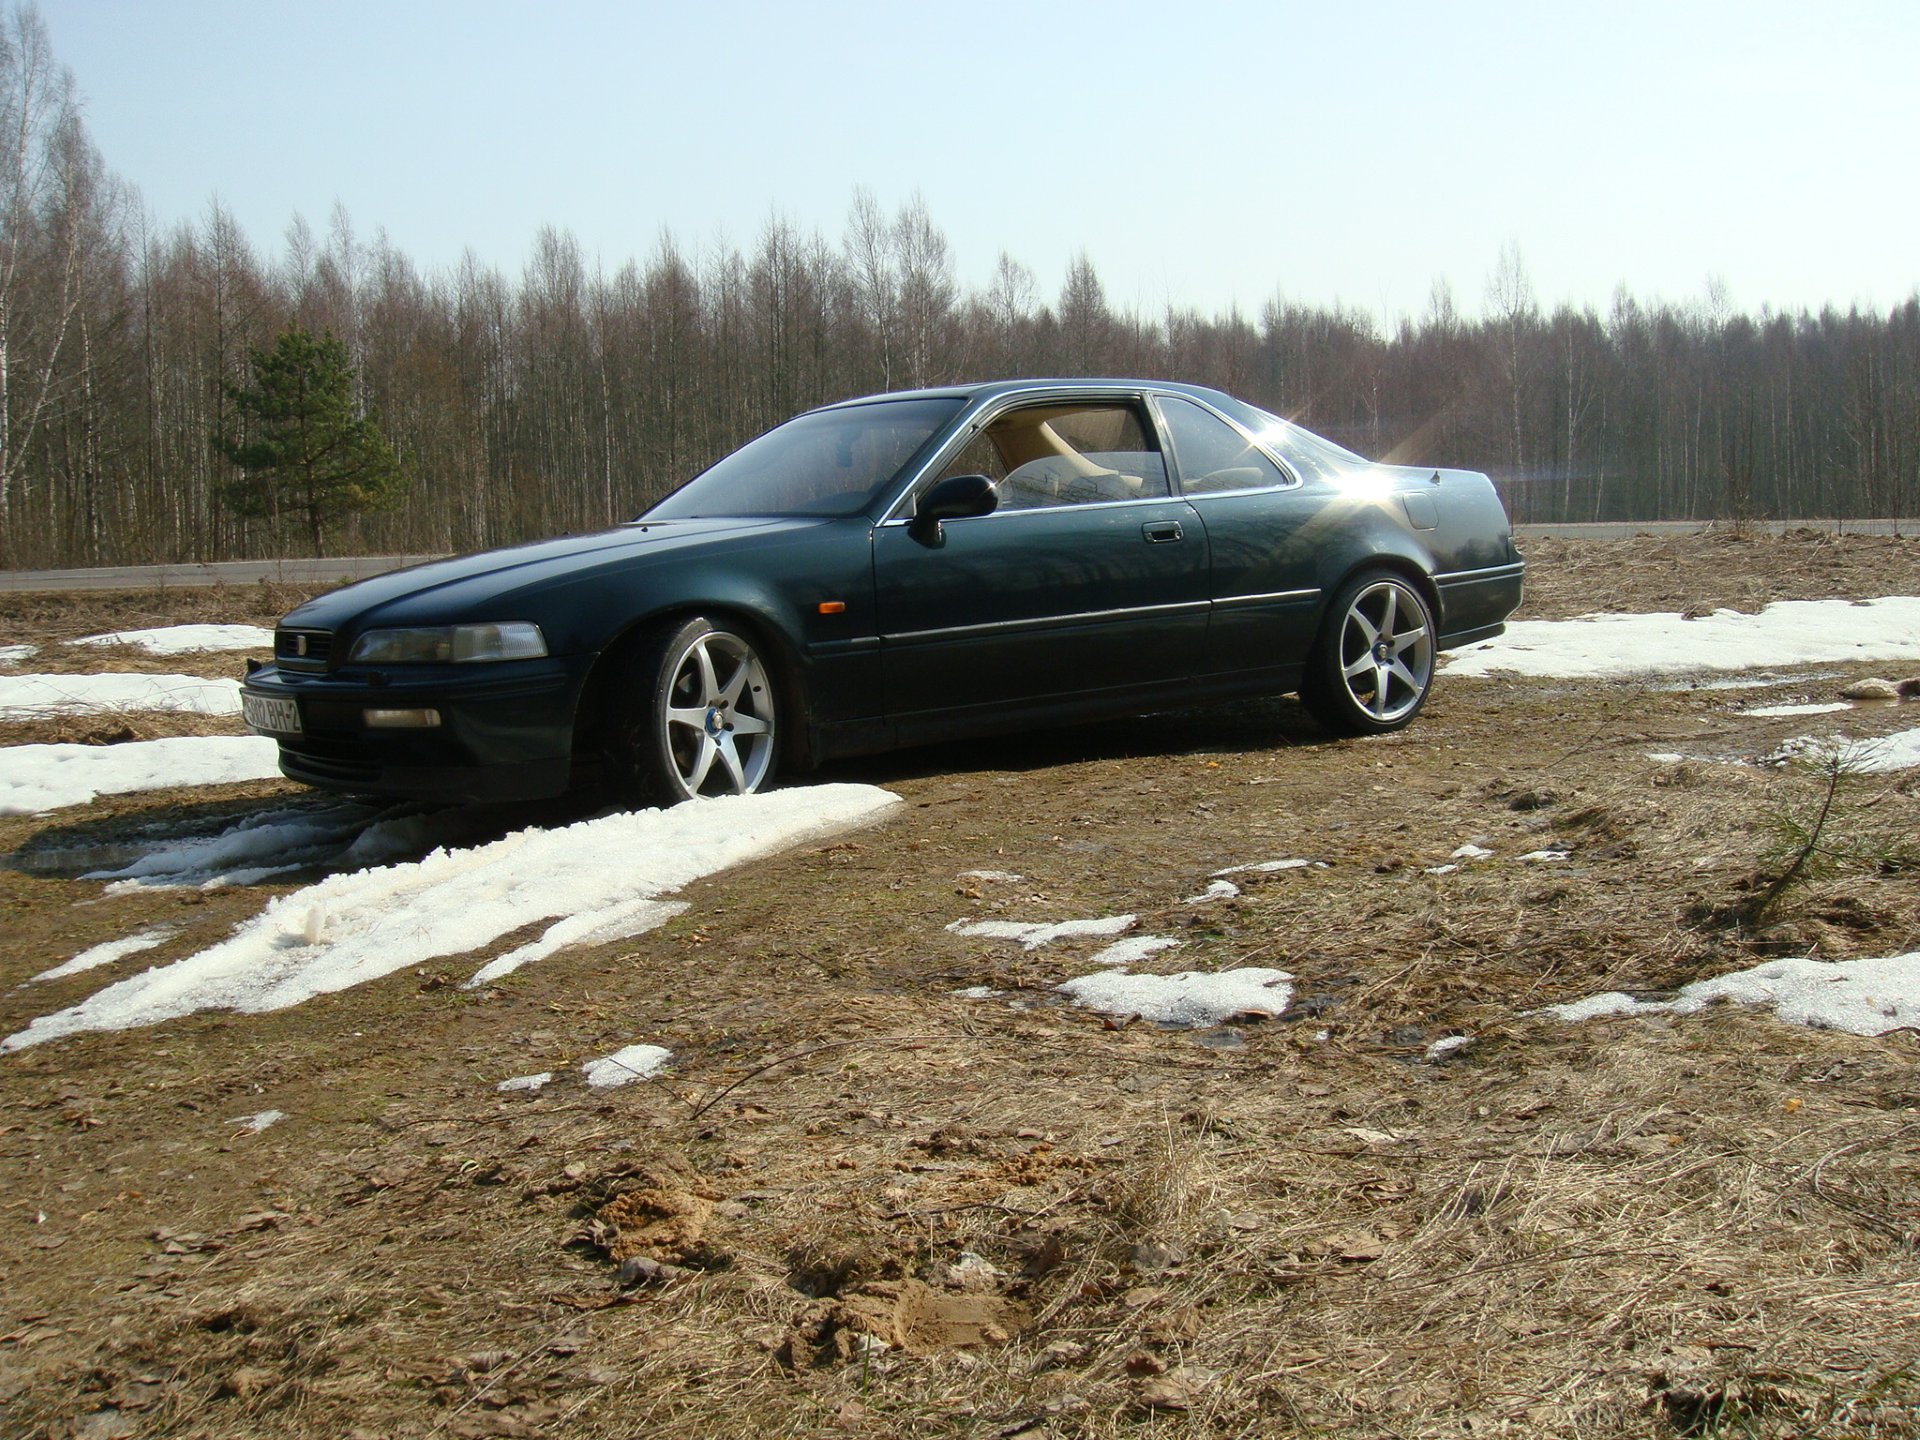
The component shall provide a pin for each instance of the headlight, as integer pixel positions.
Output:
(455, 644)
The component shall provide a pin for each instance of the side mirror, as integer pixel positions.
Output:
(958, 497)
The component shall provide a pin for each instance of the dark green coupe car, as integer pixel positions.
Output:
(895, 570)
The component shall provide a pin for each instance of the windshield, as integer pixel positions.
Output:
(830, 462)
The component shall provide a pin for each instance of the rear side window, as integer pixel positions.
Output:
(1211, 456)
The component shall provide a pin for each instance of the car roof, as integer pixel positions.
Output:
(991, 389)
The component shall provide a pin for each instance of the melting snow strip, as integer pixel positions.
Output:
(111, 951)
(254, 1124)
(1772, 711)
(599, 876)
(37, 778)
(186, 639)
(1860, 997)
(30, 697)
(338, 834)
(1787, 632)
(1271, 867)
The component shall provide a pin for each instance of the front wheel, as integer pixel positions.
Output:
(1372, 666)
(695, 716)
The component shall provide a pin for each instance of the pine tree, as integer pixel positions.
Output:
(303, 449)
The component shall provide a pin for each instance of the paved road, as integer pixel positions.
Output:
(226, 572)
(329, 572)
(1627, 529)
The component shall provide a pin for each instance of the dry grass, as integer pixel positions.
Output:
(1636, 1227)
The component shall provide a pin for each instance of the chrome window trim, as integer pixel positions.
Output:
(991, 410)
(894, 522)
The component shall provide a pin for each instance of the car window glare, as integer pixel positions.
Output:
(828, 462)
(1312, 455)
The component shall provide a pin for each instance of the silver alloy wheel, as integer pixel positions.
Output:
(1386, 651)
(718, 723)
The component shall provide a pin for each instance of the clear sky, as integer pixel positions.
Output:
(1203, 154)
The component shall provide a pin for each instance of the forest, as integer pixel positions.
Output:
(568, 396)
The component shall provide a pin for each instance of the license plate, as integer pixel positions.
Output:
(270, 713)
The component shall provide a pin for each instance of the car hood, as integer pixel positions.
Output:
(472, 587)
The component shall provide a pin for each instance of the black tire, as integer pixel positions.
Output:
(1371, 668)
(694, 714)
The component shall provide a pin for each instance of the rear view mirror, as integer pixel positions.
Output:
(958, 497)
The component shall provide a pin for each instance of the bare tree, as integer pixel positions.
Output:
(44, 162)
(1511, 307)
(869, 246)
(925, 270)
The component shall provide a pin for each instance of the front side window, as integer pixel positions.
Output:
(829, 462)
(1213, 456)
(1078, 453)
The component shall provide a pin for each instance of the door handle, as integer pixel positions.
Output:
(1161, 532)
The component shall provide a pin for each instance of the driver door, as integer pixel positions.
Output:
(1086, 587)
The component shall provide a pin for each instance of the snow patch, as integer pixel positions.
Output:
(1787, 632)
(623, 1067)
(993, 877)
(186, 639)
(1860, 997)
(30, 697)
(1471, 852)
(1665, 757)
(1033, 936)
(14, 654)
(1545, 857)
(37, 778)
(254, 1124)
(1217, 890)
(1192, 998)
(1440, 1049)
(1771, 711)
(534, 1083)
(1131, 949)
(1898, 751)
(596, 880)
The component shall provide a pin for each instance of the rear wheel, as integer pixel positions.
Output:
(1372, 666)
(695, 715)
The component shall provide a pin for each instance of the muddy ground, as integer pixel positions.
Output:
(859, 1203)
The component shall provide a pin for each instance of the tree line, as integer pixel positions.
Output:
(568, 396)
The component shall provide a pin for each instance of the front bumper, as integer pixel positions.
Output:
(505, 731)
